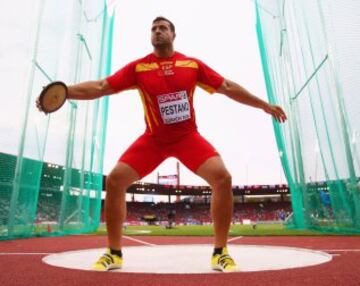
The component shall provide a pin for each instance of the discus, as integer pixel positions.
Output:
(53, 97)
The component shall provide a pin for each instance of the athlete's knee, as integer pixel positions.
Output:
(117, 180)
(223, 180)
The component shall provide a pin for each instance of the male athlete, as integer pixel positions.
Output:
(166, 81)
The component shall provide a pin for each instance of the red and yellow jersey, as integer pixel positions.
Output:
(166, 87)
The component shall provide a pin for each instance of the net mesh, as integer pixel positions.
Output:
(51, 166)
(310, 58)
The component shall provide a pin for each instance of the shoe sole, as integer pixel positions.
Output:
(114, 267)
(110, 268)
(219, 268)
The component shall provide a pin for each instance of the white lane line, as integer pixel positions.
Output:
(234, 238)
(340, 250)
(25, 253)
(138, 240)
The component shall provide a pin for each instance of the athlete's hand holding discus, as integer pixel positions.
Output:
(52, 97)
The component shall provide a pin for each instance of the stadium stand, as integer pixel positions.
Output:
(199, 213)
(254, 204)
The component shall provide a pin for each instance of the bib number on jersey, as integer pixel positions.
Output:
(174, 107)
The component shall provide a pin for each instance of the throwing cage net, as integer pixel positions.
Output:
(311, 64)
(51, 166)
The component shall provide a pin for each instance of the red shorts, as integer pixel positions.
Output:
(147, 152)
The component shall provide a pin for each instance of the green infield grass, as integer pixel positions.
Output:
(206, 230)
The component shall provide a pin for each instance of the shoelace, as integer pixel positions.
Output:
(106, 259)
(225, 260)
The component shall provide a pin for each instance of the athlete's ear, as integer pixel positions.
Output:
(174, 36)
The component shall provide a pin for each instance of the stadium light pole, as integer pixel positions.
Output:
(280, 168)
(247, 172)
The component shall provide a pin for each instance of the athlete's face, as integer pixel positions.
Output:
(161, 34)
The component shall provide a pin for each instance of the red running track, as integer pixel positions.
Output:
(19, 269)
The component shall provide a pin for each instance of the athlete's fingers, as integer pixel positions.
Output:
(280, 117)
(38, 105)
(280, 114)
(277, 112)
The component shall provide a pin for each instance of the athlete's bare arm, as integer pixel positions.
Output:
(86, 91)
(89, 90)
(240, 94)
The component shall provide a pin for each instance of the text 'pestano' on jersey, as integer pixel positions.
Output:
(166, 87)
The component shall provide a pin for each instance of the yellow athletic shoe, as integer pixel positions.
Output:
(223, 262)
(108, 261)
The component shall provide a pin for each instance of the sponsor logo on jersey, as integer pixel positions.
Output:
(174, 107)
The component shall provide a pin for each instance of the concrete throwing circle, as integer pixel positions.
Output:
(193, 258)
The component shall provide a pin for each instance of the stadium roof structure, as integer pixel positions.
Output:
(188, 190)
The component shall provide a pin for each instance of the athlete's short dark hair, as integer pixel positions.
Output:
(161, 18)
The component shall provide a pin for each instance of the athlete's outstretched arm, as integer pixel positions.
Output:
(240, 94)
(89, 90)
(85, 91)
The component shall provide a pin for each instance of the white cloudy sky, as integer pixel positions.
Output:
(221, 33)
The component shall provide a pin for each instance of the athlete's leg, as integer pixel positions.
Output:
(142, 157)
(117, 182)
(215, 173)
(196, 153)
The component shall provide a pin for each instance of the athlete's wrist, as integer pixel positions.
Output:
(266, 106)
